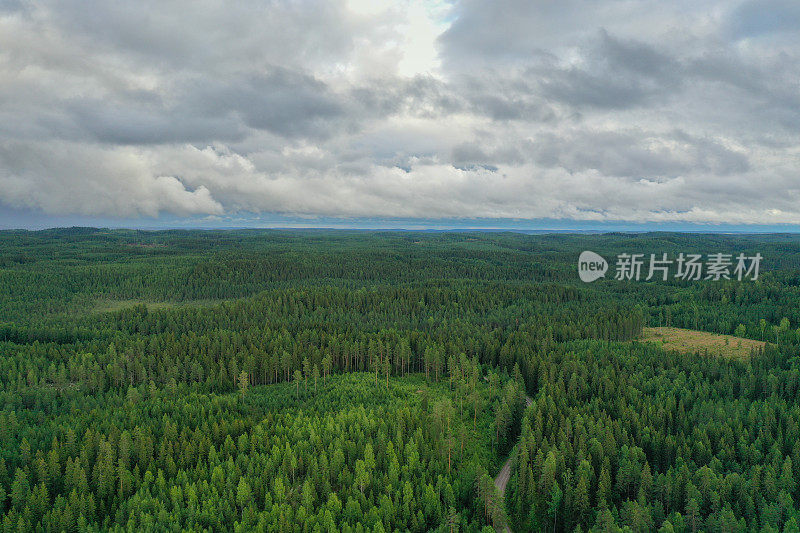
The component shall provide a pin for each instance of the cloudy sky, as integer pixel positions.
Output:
(645, 111)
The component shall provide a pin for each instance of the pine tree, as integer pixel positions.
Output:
(298, 377)
(243, 381)
(581, 504)
(19, 489)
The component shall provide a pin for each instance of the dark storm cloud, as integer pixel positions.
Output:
(282, 102)
(616, 74)
(139, 123)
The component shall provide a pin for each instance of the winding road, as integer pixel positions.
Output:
(502, 478)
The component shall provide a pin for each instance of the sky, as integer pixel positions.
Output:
(374, 113)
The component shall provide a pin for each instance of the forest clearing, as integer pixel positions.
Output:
(702, 342)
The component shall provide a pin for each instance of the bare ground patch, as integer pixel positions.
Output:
(693, 341)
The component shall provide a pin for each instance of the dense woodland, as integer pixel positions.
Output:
(375, 381)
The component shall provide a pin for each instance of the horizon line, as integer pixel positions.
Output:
(427, 229)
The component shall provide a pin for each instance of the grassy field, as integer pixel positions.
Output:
(692, 341)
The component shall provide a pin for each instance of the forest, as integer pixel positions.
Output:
(327, 380)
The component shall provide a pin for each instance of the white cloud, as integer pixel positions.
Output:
(644, 111)
(59, 177)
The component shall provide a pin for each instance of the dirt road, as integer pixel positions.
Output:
(502, 478)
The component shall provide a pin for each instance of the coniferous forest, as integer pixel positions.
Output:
(352, 381)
